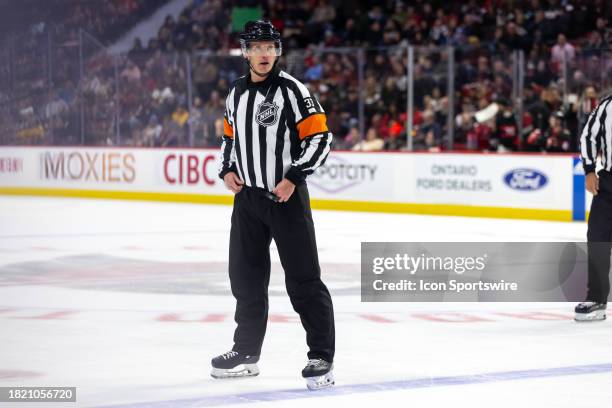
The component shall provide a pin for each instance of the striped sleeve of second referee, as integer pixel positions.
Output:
(228, 154)
(315, 137)
(596, 135)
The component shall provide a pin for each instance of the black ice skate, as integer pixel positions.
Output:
(234, 364)
(318, 374)
(590, 312)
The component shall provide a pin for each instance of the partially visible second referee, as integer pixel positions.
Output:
(275, 135)
(596, 140)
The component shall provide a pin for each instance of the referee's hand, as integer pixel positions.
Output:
(283, 190)
(592, 183)
(233, 182)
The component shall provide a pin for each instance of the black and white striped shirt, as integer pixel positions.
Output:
(596, 137)
(273, 129)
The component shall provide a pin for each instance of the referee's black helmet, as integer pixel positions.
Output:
(260, 30)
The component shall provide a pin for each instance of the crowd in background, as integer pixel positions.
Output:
(565, 71)
(40, 94)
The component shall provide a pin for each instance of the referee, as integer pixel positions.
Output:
(275, 135)
(596, 140)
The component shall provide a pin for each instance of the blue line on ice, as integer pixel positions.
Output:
(262, 396)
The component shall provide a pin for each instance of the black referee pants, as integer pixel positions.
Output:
(256, 220)
(599, 236)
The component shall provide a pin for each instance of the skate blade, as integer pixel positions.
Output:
(595, 316)
(240, 371)
(320, 382)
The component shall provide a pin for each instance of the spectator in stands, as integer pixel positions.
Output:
(371, 143)
(56, 107)
(562, 52)
(151, 133)
(557, 136)
(554, 139)
(131, 72)
(205, 77)
(180, 116)
(138, 53)
(429, 134)
(479, 137)
(315, 71)
(349, 140)
(213, 110)
(514, 37)
(397, 136)
(506, 128)
(587, 102)
(605, 31)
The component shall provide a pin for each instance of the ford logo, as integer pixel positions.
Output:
(525, 179)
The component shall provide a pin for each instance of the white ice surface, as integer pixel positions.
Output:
(77, 308)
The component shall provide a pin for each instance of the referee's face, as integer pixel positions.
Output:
(261, 55)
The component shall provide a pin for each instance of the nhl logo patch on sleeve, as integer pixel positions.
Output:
(267, 113)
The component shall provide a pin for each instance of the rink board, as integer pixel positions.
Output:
(525, 186)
